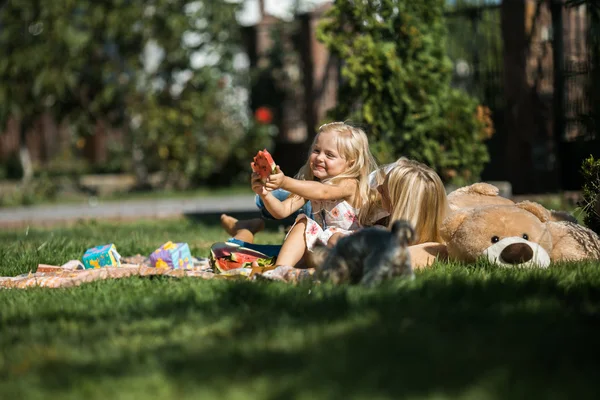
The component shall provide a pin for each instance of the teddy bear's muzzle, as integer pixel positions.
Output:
(515, 251)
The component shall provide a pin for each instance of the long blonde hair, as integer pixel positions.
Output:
(417, 195)
(352, 144)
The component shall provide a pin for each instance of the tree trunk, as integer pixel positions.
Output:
(24, 156)
(138, 160)
(518, 118)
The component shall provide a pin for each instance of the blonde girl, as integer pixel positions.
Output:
(410, 190)
(335, 181)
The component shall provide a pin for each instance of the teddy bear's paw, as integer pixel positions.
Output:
(517, 252)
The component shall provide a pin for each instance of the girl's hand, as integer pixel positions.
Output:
(258, 186)
(274, 181)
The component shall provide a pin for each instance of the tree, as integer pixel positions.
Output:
(160, 69)
(396, 81)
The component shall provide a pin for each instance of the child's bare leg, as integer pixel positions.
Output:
(333, 239)
(243, 230)
(294, 247)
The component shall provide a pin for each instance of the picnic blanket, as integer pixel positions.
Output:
(72, 274)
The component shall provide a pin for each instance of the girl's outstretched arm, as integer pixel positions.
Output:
(312, 190)
(277, 208)
(282, 209)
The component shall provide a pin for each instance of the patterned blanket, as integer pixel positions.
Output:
(71, 273)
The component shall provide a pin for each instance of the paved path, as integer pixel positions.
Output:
(47, 214)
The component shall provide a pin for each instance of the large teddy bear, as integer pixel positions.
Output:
(483, 224)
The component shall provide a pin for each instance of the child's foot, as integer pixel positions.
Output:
(233, 225)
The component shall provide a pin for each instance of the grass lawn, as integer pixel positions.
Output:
(464, 332)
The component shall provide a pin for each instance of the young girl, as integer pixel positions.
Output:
(410, 190)
(334, 179)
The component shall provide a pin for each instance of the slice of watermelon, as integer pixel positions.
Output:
(224, 264)
(264, 164)
(226, 256)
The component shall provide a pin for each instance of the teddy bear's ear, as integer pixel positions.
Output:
(536, 209)
(477, 188)
(452, 223)
(484, 189)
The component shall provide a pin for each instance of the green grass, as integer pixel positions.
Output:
(455, 332)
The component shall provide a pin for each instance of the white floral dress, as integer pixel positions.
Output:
(328, 218)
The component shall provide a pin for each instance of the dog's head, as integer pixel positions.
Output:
(328, 267)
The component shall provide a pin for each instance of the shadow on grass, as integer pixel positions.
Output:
(514, 337)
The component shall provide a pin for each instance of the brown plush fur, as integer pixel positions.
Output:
(476, 195)
(469, 232)
(478, 214)
(573, 242)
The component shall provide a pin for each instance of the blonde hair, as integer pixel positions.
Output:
(352, 145)
(417, 195)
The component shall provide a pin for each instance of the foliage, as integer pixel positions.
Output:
(236, 169)
(455, 332)
(12, 168)
(460, 137)
(42, 188)
(161, 70)
(277, 78)
(591, 193)
(396, 81)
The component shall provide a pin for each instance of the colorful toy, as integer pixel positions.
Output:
(263, 164)
(172, 255)
(101, 256)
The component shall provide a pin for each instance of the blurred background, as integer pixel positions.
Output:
(118, 97)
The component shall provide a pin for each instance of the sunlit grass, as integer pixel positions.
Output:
(456, 331)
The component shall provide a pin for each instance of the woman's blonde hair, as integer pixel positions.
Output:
(416, 194)
(352, 145)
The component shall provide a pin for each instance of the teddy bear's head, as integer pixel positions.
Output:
(507, 235)
(483, 194)
(476, 195)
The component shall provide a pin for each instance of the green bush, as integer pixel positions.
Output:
(236, 169)
(396, 81)
(41, 188)
(12, 167)
(200, 139)
(591, 193)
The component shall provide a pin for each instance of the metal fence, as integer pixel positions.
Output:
(562, 77)
(474, 45)
(576, 89)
